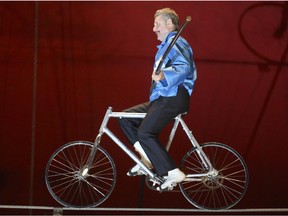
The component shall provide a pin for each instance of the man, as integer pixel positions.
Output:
(169, 97)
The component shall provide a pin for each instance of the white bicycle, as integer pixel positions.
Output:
(83, 174)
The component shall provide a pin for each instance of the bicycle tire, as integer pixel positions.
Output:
(66, 184)
(221, 191)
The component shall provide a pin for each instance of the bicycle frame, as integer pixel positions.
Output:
(216, 175)
(104, 130)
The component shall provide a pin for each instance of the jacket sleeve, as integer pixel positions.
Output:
(178, 65)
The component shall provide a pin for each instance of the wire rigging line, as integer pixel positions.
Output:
(34, 105)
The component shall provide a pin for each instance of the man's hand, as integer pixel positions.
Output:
(159, 77)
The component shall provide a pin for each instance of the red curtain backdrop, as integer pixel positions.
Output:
(63, 63)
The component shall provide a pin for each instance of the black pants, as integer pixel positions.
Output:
(159, 113)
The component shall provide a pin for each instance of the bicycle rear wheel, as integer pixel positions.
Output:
(220, 190)
(69, 186)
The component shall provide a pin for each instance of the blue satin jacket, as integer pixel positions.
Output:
(178, 68)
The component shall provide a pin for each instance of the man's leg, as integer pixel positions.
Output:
(130, 126)
(159, 114)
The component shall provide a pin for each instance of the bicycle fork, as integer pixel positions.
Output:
(85, 169)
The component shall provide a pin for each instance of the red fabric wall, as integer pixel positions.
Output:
(92, 55)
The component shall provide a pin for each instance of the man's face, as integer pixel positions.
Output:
(161, 28)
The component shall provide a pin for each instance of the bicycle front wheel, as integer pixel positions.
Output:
(66, 181)
(221, 189)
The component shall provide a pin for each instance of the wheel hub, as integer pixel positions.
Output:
(213, 180)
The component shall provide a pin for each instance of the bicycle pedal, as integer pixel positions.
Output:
(169, 188)
(165, 189)
(154, 183)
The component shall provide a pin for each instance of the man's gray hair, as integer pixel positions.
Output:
(169, 13)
